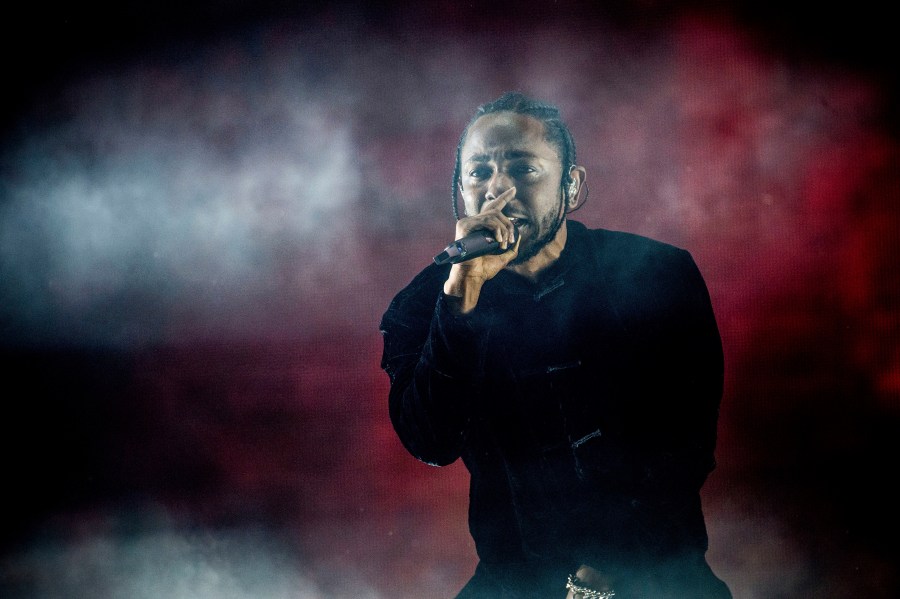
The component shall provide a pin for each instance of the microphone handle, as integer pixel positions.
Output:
(473, 245)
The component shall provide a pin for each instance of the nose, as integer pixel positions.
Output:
(499, 183)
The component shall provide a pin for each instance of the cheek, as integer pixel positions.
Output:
(544, 198)
(472, 201)
(546, 187)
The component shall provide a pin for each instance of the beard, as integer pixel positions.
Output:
(545, 231)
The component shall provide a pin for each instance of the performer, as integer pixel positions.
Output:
(578, 374)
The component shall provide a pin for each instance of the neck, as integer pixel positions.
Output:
(550, 253)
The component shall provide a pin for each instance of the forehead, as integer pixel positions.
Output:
(507, 132)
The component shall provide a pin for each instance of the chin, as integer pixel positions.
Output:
(525, 254)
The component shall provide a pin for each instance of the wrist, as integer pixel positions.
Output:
(462, 292)
(581, 591)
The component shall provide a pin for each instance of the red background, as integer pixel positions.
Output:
(206, 211)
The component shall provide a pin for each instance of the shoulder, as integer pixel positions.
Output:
(641, 273)
(620, 250)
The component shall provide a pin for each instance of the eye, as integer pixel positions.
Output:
(480, 172)
(522, 169)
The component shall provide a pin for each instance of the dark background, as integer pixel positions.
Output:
(206, 208)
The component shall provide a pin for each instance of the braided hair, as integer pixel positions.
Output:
(556, 133)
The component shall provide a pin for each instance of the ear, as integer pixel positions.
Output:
(577, 177)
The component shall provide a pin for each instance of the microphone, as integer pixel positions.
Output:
(473, 245)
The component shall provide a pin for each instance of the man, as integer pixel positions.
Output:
(577, 374)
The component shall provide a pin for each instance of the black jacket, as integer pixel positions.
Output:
(584, 407)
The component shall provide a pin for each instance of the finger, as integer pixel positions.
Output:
(500, 201)
(494, 221)
(490, 221)
(505, 234)
(518, 239)
(510, 236)
(501, 235)
(512, 232)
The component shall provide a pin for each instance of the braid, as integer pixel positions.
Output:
(456, 173)
(557, 133)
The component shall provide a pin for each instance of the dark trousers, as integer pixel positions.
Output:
(690, 578)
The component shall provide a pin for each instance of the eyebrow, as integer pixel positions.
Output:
(510, 155)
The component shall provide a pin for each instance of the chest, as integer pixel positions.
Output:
(555, 364)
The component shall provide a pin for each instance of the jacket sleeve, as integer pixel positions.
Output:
(686, 391)
(433, 359)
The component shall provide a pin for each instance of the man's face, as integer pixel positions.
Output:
(504, 150)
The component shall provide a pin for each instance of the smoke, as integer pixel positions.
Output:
(165, 185)
(146, 555)
(210, 191)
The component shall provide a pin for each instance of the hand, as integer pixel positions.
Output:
(591, 578)
(466, 278)
(490, 217)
